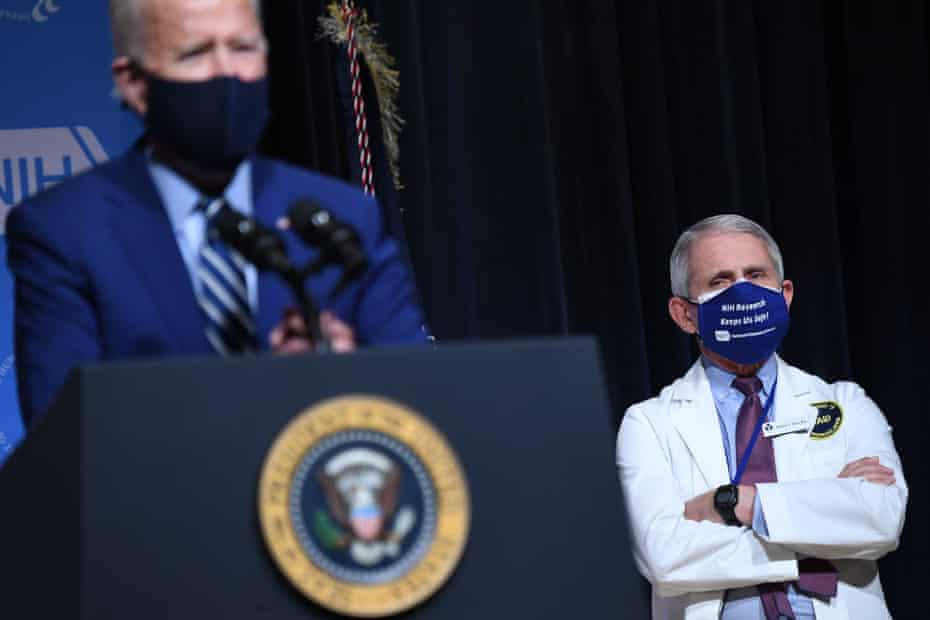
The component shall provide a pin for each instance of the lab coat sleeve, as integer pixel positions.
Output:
(842, 518)
(676, 555)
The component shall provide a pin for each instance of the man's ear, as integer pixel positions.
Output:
(787, 289)
(131, 84)
(684, 314)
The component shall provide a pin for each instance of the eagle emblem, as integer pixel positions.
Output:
(362, 516)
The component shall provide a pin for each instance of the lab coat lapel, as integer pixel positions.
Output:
(694, 415)
(792, 402)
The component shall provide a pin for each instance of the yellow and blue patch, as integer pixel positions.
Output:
(829, 419)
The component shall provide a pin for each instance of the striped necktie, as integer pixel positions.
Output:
(224, 298)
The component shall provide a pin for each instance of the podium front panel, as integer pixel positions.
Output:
(169, 454)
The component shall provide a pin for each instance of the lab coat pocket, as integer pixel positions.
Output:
(826, 459)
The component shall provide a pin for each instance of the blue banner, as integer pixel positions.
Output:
(58, 117)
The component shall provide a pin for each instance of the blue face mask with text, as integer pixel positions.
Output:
(743, 323)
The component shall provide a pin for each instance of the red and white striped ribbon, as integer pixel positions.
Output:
(350, 15)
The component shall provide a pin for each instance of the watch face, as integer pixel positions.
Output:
(726, 496)
(725, 500)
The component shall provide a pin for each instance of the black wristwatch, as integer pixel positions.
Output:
(725, 500)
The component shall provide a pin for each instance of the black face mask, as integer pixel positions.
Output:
(215, 123)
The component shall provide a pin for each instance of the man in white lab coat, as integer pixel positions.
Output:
(755, 490)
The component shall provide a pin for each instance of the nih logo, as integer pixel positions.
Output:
(42, 9)
(39, 14)
(32, 160)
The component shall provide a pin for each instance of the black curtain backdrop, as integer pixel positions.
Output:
(554, 151)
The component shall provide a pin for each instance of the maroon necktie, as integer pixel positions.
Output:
(817, 577)
(761, 464)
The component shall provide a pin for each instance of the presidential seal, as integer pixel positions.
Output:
(363, 506)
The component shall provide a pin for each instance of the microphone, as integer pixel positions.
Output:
(259, 245)
(337, 242)
(263, 248)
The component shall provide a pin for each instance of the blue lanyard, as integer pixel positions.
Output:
(755, 435)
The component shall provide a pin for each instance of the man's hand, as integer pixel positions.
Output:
(291, 336)
(870, 469)
(701, 508)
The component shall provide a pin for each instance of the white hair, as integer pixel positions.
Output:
(126, 22)
(679, 262)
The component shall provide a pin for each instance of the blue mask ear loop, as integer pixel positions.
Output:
(135, 67)
(755, 435)
(693, 302)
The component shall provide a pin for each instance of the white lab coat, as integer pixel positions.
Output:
(670, 449)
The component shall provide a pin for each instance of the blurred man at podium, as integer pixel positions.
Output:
(755, 490)
(120, 262)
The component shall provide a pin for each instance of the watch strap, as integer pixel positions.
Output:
(725, 499)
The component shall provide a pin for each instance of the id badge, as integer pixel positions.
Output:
(774, 429)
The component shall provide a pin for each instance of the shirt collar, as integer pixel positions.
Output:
(180, 198)
(721, 380)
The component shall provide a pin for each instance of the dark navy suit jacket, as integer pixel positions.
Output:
(99, 275)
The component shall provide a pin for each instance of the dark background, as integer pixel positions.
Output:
(554, 151)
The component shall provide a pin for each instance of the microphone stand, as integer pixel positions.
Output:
(296, 277)
(309, 310)
(267, 252)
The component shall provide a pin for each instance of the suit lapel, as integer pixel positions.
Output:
(792, 402)
(273, 295)
(694, 415)
(149, 245)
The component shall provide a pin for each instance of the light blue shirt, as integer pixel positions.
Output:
(180, 200)
(744, 603)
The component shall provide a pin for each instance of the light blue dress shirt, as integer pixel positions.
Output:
(744, 603)
(180, 200)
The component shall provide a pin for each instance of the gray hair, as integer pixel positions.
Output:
(679, 263)
(126, 20)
